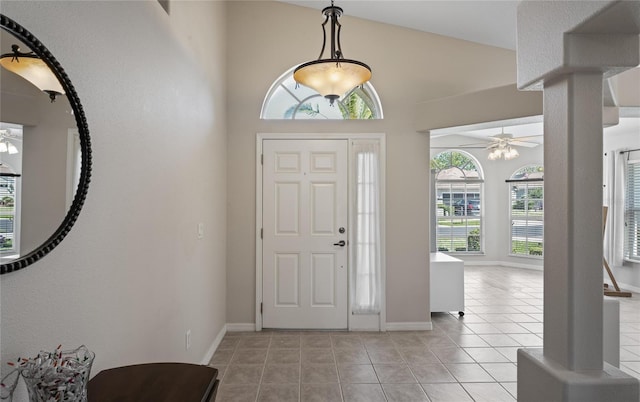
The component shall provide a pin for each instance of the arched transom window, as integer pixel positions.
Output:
(288, 100)
(458, 185)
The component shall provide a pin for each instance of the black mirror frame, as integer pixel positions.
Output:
(85, 146)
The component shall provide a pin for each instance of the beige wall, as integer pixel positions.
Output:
(131, 277)
(267, 38)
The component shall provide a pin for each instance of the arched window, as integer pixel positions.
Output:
(458, 186)
(288, 100)
(526, 214)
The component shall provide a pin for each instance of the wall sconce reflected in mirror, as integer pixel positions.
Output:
(33, 69)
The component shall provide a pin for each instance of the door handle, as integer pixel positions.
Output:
(341, 243)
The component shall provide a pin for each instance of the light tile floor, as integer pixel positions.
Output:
(470, 358)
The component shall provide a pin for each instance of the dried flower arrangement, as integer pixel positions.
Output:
(51, 376)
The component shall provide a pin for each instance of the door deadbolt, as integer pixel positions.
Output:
(341, 230)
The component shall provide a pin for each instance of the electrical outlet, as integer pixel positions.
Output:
(187, 339)
(200, 230)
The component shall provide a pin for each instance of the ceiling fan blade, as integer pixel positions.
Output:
(479, 144)
(526, 137)
(460, 147)
(526, 144)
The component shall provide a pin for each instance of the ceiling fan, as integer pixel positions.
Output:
(503, 145)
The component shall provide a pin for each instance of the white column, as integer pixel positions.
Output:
(566, 48)
(573, 221)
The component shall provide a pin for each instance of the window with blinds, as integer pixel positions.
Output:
(7, 214)
(526, 212)
(632, 212)
(459, 187)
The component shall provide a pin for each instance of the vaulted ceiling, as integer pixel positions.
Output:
(488, 22)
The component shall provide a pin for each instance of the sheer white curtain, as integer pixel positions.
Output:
(615, 182)
(366, 253)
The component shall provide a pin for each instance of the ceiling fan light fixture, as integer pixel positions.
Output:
(335, 76)
(5, 144)
(11, 149)
(511, 153)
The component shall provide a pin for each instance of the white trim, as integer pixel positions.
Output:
(365, 322)
(258, 224)
(73, 168)
(241, 327)
(212, 349)
(503, 264)
(381, 137)
(409, 326)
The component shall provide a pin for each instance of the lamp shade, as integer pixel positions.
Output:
(33, 69)
(332, 78)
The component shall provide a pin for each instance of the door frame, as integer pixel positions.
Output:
(355, 322)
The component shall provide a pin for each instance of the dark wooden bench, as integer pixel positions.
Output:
(155, 382)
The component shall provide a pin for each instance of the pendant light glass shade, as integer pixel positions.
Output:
(335, 76)
(332, 79)
(33, 69)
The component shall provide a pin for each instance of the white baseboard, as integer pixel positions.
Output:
(241, 327)
(409, 326)
(503, 264)
(390, 326)
(214, 346)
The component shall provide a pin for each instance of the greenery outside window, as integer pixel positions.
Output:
(526, 191)
(632, 212)
(459, 185)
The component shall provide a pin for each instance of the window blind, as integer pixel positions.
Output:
(527, 217)
(632, 211)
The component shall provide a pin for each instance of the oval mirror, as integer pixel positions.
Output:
(45, 152)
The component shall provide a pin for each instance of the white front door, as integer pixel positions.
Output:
(304, 222)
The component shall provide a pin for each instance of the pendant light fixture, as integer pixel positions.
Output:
(334, 76)
(33, 69)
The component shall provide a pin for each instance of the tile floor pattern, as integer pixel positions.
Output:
(462, 359)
